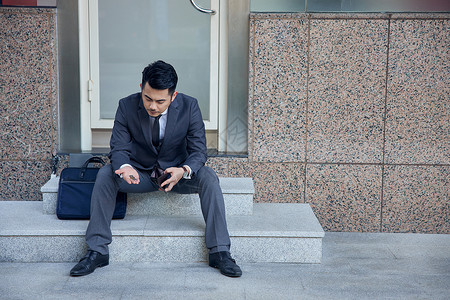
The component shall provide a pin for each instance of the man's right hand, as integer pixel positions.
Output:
(129, 174)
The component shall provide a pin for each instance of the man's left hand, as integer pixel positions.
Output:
(175, 175)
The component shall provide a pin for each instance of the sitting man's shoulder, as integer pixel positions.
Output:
(131, 98)
(184, 99)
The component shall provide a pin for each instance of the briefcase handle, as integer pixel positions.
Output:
(94, 159)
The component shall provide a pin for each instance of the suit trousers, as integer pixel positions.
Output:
(205, 182)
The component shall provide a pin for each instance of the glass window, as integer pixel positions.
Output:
(131, 36)
(377, 6)
(349, 6)
(277, 5)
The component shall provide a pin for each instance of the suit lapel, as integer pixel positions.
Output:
(145, 124)
(172, 117)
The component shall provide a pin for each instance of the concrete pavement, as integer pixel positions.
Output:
(354, 266)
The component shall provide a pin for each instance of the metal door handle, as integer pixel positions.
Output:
(203, 10)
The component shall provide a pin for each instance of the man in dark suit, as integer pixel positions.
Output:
(157, 131)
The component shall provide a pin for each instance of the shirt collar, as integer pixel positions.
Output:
(165, 112)
(162, 114)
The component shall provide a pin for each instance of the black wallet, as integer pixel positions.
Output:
(159, 177)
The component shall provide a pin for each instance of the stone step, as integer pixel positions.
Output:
(273, 233)
(237, 192)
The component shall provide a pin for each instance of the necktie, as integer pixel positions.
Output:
(155, 132)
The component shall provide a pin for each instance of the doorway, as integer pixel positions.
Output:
(124, 36)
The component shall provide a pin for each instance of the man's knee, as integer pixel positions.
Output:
(105, 171)
(105, 175)
(207, 175)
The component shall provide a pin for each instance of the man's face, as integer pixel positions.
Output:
(156, 101)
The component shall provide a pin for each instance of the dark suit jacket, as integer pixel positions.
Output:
(184, 140)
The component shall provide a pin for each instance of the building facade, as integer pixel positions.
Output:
(347, 112)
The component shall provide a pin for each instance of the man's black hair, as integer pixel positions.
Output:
(160, 75)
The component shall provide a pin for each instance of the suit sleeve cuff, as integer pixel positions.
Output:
(125, 165)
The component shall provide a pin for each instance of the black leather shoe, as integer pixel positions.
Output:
(223, 261)
(89, 263)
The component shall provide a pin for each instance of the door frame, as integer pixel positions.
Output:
(88, 47)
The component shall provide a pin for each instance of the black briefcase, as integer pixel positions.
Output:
(75, 190)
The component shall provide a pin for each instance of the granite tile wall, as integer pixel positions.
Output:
(278, 102)
(416, 199)
(345, 197)
(28, 101)
(347, 82)
(417, 120)
(350, 113)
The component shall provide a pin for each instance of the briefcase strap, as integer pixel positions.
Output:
(94, 159)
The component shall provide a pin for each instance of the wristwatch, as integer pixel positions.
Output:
(186, 172)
